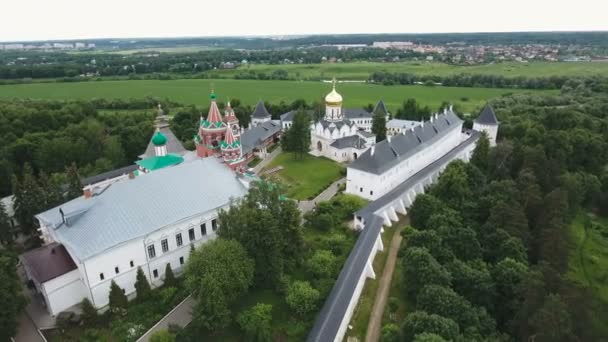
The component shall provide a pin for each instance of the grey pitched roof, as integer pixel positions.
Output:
(390, 152)
(487, 116)
(288, 117)
(365, 134)
(260, 111)
(398, 123)
(336, 305)
(356, 113)
(133, 208)
(334, 309)
(380, 107)
(109, 175)
(48, 262)
(337, 124)
(173, 144)
(350, 141)
(255, 136)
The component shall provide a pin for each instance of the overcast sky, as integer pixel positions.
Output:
(81, 19)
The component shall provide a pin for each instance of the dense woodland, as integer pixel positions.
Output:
(488, 253)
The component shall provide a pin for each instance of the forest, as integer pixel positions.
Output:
(489, 252)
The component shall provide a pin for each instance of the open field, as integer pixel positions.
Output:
(362, 70)
(588, 264)
(195, 91)
(305, 177)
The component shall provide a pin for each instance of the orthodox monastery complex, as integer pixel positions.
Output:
(152, 213)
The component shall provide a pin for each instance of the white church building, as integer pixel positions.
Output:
(149, 221)
(343, 134)
(391, 162)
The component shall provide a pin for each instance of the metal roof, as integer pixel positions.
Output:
(387, 153)
(260, 111)
(48, 262)
(255, 136)
(109, 175)
(173, 144)
(354, 141)
(403, 124)
(133, 208)
(487, 116)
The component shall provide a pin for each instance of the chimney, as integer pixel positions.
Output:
(87, 192)
(432, 118)
(373, 148)
(436, 116)
(388, 138)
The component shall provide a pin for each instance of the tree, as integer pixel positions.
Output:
(217, 274)
(379, 125)
(481, 153)
(462, 242)
(268, 227)
(6, 229)
(13, 301)
(473, 281)
(74, 182)
(419, 322)
(302, 297)
(162, 335)
(256, 322)
(322, 264)
(89, 313)
(443, 301)
(170, 280)
(142, 287)
(508, 275)
(28, 201)
(552, 322)
(51, 191)
(390, 333)
(322, 222)
(420, 269)
(428, 337)
(424, 206)
(297, 138)
(118, 299)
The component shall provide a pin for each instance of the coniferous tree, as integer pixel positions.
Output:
(170, 280)
(297, 138)
(11, 297)
(89, 313)
(481, 153)
(74, 183)
(142, 286)
(29, 200)
(50, 189)
(379, 126)
(6, 229)
(118, 299)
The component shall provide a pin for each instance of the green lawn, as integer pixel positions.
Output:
(196, 91)
(588, 264)
(362, 70)
(305, 177)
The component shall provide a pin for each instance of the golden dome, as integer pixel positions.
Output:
(333, 98)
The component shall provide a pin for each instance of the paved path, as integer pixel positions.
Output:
(180, 315)
(327, 194)
(267, 160)
(375, 319)
(27, 331)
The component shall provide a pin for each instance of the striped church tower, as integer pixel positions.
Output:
(211, 131)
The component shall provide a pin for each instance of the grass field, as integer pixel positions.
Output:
(588, 264)
(305, 177)
(362, 70)
(196, 91)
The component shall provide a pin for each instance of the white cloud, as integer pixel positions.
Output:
(78, 19)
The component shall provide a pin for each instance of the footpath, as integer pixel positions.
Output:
(375, 319)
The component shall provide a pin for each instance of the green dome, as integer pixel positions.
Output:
(159, 139)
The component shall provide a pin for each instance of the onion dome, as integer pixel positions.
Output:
(159, 139)
(333, 98)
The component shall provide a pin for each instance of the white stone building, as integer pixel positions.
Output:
(342, 134)
(148, 221)
(392, 161)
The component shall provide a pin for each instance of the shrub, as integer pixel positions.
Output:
(393, 304)
(256, 322)
(162, 336)
(167, 294)
(390, 333)
(302, 297)
(322, 264)
(89, 313)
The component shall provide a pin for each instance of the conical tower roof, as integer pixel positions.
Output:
(230, 141)
(487, 116)
(214, 118)
(380, 108)
(229, 115)
(260, 111)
